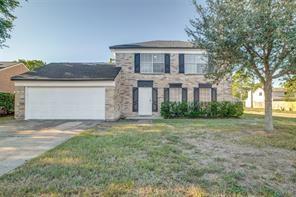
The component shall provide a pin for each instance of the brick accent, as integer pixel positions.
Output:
(160, 81)
(6, 85)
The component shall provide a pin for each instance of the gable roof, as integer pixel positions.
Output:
(7, 64)
(161, 44)
(72, 72)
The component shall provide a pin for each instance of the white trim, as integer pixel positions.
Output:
(26, 102)
(65, 83)
(14, 66)
(185, 51)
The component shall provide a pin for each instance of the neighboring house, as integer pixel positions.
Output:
(143, 76)
(256, 99)
(8, 70)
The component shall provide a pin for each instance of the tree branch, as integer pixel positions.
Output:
(255, 68)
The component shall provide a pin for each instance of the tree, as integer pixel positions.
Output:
(290, 86)
(242, 83)
(258, 36)
(32, 64)
(6, 19)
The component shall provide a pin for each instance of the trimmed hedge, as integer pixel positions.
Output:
(6, 103)
(224, 109)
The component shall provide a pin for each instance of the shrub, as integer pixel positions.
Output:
(223, 109)
(6, 103)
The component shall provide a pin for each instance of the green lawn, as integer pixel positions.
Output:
(166, 158)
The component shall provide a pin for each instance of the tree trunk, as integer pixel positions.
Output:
(268, 105)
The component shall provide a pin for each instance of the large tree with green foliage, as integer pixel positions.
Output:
(259, 36)
(6, 19)
(290, 86)
(32, 64)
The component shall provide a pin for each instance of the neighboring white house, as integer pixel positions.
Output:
(256, 99)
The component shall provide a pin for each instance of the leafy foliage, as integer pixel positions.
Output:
(242, 83)
(290, 86)
(256, 36)
(6, 19)
(32, 64)
(6, 103)
(223, 109)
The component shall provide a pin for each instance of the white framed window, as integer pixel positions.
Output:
(205, 94)
(152, 63)
(195, 63)
(175, 94)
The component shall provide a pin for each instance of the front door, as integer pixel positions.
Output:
(145, 101)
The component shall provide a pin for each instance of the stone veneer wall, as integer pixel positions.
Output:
(6, 85)
(113, 100)
(19, 103)
(129, 80)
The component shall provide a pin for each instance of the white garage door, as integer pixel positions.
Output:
(65, 103)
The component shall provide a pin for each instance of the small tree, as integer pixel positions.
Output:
(32, 64)
(6, 19)
(258, 36)
(290, 86)
(242, 83)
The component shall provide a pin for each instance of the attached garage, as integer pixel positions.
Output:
(68, 91)
(65, 103)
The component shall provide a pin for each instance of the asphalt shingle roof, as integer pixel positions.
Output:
(7, 64)
(72, 72)
(163, 44)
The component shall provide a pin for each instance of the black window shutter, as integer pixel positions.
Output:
(181, 63)
(135, 99)
(214, 94)
(196, 95)
(184, 94)
(166, 95)
(137, 62)
(154, 100)
(167, 63)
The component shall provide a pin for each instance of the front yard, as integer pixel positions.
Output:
(166, 158)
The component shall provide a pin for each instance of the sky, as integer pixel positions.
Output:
(83, 30)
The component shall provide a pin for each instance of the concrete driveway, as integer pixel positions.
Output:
(23, 140)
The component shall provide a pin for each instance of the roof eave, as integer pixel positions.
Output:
(119, 47)
(62, 79)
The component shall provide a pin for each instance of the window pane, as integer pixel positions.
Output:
(175, 94)
(151, 63)
(158, 67)
(146, 67)
(146, 58)
(205, 95)
(158, 58)
(195, 63)
(190, 68)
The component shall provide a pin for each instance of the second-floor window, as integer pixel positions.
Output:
(152, 63)
(195, 64)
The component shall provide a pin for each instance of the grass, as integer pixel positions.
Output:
(274, 110)
(182, 157)
(5, 118)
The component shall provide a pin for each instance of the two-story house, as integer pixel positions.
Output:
(143, 76)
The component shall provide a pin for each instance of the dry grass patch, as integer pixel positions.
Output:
(165, 158)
